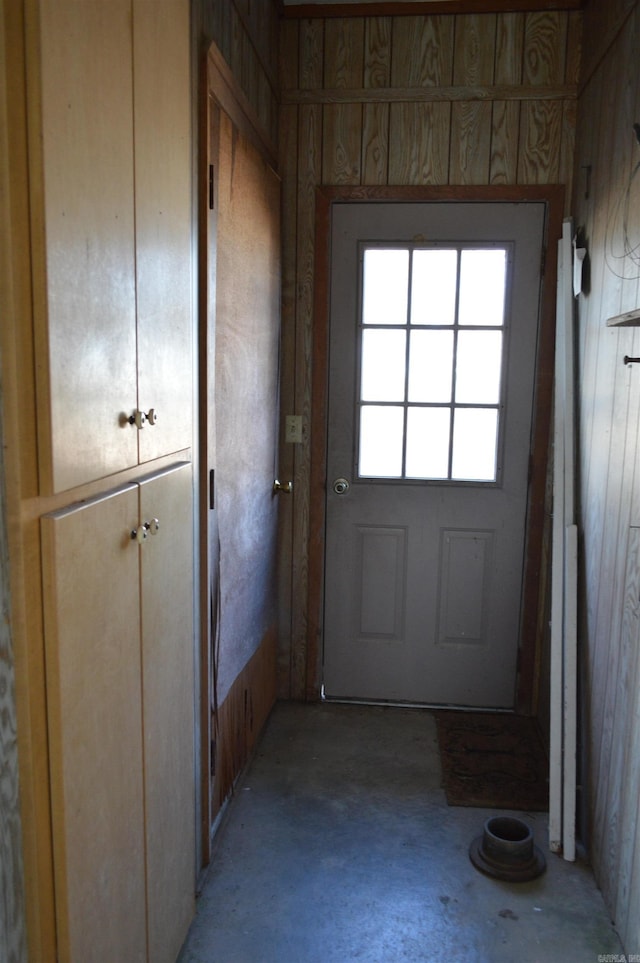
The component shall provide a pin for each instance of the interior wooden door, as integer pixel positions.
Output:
(92, 633)
(168, 706)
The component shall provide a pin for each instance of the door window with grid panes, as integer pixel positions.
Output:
(432, 345)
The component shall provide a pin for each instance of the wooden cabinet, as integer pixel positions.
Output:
(119, 667)
(101, 163)
(110, 124)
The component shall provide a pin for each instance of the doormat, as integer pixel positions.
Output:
(492, 760)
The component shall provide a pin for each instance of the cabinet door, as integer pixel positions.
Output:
(162, 114)
(168, 701)
(92, 639)
(85, 310)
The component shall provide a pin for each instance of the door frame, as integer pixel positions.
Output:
(537, 528)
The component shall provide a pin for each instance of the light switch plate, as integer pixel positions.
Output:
(293, 429)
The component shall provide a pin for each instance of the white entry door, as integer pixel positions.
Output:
(433, 337)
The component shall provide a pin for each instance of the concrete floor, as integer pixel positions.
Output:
(339, 845)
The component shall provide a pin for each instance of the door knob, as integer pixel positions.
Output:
(341, 486)
(286, 488)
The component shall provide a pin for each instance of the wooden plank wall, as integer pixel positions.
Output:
(246, 33)
(473, 99)
(607, 153)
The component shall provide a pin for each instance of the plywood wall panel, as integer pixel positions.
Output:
(609, 450)
(311, 53)
(470, 143)
(247, 36)
(375, 143)
(540, 142)
(422, 51)
(505, 134)
(509, 46)
(341, 140)
(419, 143)
(545, 47)
(343, 52)
(377, 52)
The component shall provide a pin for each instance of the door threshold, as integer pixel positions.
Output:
(398, 704)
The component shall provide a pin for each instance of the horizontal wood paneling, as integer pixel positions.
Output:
(609, 451)
(471, 99)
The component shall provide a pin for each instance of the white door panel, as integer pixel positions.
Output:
(423, 577)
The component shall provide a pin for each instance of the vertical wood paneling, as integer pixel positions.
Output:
(342, 123)
(544, 47)
(12, 910)
(311, 54)
(341, 142)
(375, 117)
(419, 139)
(471, 120)
(608, 470)
(505, 121)
(505, 136)
(422, 51)
(247, 36)
(540, 141)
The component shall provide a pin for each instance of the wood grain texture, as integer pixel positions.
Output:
(247, 36)
(162, 116)
(422, 51)
(608, 469)
(505, 133)
(343, 52)
(375, 143)
(13, 937)
(241, 717)
(540, 140)
(85, 313)
(97, 784)
(509, 46)
(341, 143)
(377, 52)
(166, 594)
(419, 143)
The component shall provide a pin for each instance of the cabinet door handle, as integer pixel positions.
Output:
(153, 527)
(140, 418)
(139, 534)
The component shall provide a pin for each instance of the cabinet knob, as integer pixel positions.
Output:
(137, 419)
(153, 527)
(140, 418)
(139, 534)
